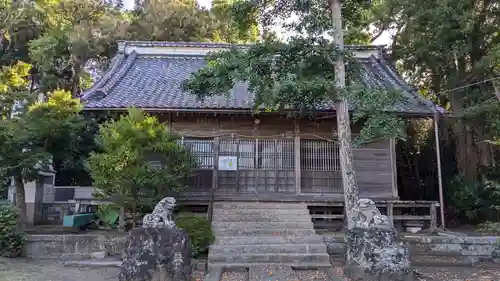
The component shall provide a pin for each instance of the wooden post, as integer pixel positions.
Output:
(433, 216)
(238, 164)
(215, 179)
(169, 122)
(298, 176)
(351, 192)
(394, 168)
(440, 174)
(390, 213)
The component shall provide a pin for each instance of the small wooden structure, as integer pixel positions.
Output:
(243, 156)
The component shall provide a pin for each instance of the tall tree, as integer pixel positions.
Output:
(76, 32)
(448, 48)
(124, 169)
(29, 141)
(303, 72)
(185, 20)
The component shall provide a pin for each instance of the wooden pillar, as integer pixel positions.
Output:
(390, 213)
(169, 122)
(215, 174)
(433, 216)
(297, 158)
(394, 168)
(440, 174)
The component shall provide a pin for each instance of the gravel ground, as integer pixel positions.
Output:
(454, 274)
(458, 274)
(234, 276)
(28, 270)
(311, 275)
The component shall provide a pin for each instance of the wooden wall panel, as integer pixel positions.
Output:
(374, 170)
(373, 162)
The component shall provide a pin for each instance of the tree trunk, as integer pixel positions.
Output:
(465, 149)
(351, 192)
(21, 199)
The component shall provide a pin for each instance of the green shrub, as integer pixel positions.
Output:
(108, 215)
(198, 229)
(11, 237)
(489, 227)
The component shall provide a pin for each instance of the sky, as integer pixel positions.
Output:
(384, 39)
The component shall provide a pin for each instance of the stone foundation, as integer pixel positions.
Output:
(433, 250)
(57, 246)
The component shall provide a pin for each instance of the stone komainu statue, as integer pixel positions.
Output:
(162, 214)
(158, 250)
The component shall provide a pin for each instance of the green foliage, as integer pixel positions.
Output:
(474, 201)
(44, 131)
(313, 17)
(199, 231)
(448, 48)
(298, 75)
(11, 237)
(108, 215)
(489, 227)
(467, 199)
(122, 169)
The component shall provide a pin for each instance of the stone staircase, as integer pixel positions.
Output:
(265, 233)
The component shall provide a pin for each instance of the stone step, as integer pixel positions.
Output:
(262, 232)
(271, 273)
(256, 225)
(269, 217)
(258, 205)
(239, 266)
(94, 263)
(271, 239)
(274, 212)
(268, 248)
(289, 259)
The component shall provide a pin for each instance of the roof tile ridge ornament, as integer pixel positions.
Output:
(123, 44)
(412, 90)
(126, 65)
(116, 62)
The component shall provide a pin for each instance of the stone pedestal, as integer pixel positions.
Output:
(156, 253)
(374, 251)
(375, 254)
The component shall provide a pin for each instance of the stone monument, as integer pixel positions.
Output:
(374, 252)
(157, 250)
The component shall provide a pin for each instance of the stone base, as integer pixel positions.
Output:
(376, 254)
(156, 254)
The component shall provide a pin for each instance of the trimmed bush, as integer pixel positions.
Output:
(11, 236)
(199, 231)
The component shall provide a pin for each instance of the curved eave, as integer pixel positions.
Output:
(239, 111)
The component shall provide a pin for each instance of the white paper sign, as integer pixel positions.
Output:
(228, 163)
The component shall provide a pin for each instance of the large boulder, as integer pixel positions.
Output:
(156, 254)
(158, 250)
(374, 251)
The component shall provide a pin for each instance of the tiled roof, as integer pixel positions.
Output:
(152, 81)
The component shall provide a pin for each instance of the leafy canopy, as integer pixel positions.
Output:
(29, 142)
(298, 75)
(123, 168)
